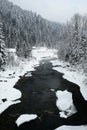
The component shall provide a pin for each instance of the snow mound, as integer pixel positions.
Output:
(64, 100)
(65, 103)
(25, 118)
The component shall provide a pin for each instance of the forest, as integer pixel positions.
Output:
(22, 29)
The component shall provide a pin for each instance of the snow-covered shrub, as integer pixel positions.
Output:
(12, 58)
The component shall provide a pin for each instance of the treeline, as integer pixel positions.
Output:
(73, 42)
(22, 28)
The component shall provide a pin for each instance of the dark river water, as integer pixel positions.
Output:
(37, 98)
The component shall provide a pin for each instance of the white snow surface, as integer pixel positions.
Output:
(65, 103)
(64, 100)
(8, 103)
(82, 127)
(42, 53)
(12, 50)
(72, 75)
(25, 118)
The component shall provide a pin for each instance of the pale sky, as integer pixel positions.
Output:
(54, 10)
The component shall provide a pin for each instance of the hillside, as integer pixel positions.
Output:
(22, 26)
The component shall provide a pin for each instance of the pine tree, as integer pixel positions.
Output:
(2, 47)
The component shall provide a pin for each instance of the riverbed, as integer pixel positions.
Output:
(38, 98)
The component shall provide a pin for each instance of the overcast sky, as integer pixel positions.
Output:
(54, 10)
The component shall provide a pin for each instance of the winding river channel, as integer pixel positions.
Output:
(37, 98)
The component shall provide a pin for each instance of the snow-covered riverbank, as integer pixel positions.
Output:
(82, 127)
(8, 78)
(72, 75)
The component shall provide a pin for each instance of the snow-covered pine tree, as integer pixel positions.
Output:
(2, 47)
(75, 41)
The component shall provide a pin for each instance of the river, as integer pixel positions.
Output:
(37, 98)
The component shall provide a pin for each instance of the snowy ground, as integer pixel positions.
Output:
(73, 75)
(72, 128)
(8, 78)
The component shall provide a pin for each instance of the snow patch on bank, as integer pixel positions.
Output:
(8, 103)
(65, 103)
(8, 94)
(72, 75)
(43, 53)
(25, 118)
(82, 127)
(9, 78)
